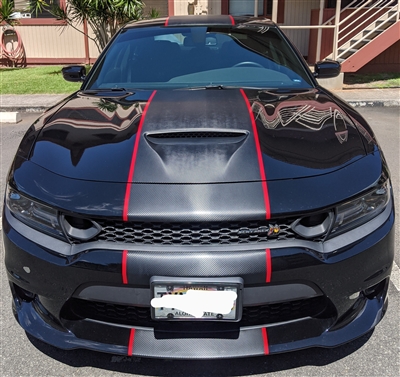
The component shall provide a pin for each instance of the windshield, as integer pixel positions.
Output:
(189, 57)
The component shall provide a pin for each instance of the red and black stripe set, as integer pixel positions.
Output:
(175, 110)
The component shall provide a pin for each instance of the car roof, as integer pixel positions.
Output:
(205, 20)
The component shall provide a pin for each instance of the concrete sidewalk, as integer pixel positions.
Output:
(370, 97)
(356, 97)
(29, 102)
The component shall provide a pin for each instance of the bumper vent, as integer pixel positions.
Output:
(77, 309)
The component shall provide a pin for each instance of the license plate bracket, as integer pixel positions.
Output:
(191, 295)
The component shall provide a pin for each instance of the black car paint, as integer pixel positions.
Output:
(96, 133)
(100, 149)
(289, 266)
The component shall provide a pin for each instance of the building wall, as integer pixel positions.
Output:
(49, 44)
(388, 61)
(160, 5)
(298, 12)
(93, 50)
(51, 41)
(185, 7)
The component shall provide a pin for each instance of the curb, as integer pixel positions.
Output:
(25, 109)
(388, 103)
(10, 117)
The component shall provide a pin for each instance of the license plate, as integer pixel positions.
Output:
(200, 299)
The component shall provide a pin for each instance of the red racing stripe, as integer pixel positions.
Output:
(131, 342)
(166, 22)
(124, 267)
(133, 160)
(268, 265)
(232, 20)
(259, 156)
(265, 340)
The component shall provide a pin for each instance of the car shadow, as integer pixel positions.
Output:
(196, 368)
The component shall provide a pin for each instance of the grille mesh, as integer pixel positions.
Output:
(217, 233)
(140, 316)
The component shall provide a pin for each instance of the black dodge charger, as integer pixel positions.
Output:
(201, 196)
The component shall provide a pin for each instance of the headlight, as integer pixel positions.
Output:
(358, 211)
(34, 214)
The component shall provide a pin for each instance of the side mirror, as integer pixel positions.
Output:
(326, 69)
(74, 73)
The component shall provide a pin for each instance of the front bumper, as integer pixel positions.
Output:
(300, 298)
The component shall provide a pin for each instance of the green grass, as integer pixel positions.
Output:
(49, 80)
(393, 83)
(373, 80)
(35, 80)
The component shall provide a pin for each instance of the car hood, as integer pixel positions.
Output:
(197, 136)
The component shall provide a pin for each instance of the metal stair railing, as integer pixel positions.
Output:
(337, 25)
(371, 11)
(372, 6)
(362, 36)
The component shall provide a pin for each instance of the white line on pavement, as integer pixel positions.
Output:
(395, 277)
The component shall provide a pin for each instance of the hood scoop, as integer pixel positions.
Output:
(194, 155)
(195, 136)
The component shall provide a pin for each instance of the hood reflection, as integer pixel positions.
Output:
(301, 134)
(84, 123)
(304, 129)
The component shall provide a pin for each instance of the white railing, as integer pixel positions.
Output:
(370, 7)
(361, 9)
(370, 10)
(384, 17)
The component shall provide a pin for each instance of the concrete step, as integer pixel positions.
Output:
(358, 43)
(384, 24)
(374, 33)
(345, 54)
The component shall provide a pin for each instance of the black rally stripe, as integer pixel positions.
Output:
(188, 163)
(188, 181)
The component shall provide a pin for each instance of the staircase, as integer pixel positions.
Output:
(365, 32)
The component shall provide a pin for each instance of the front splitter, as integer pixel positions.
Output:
(250, 341)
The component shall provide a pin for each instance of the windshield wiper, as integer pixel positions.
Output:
(104, 90)
(223, 87)
(203, 87)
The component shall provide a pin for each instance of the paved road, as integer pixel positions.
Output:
(374, 355)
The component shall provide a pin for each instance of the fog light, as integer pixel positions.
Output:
(354, 296)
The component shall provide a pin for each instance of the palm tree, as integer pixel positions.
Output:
(103, 16)
(6, 11)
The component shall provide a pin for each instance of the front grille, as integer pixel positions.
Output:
(209, 233)
(77, 309)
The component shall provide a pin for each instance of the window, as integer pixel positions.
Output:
(344, 3)
(246, 7)
(40, 18)
(23, 7)
(240, 7)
